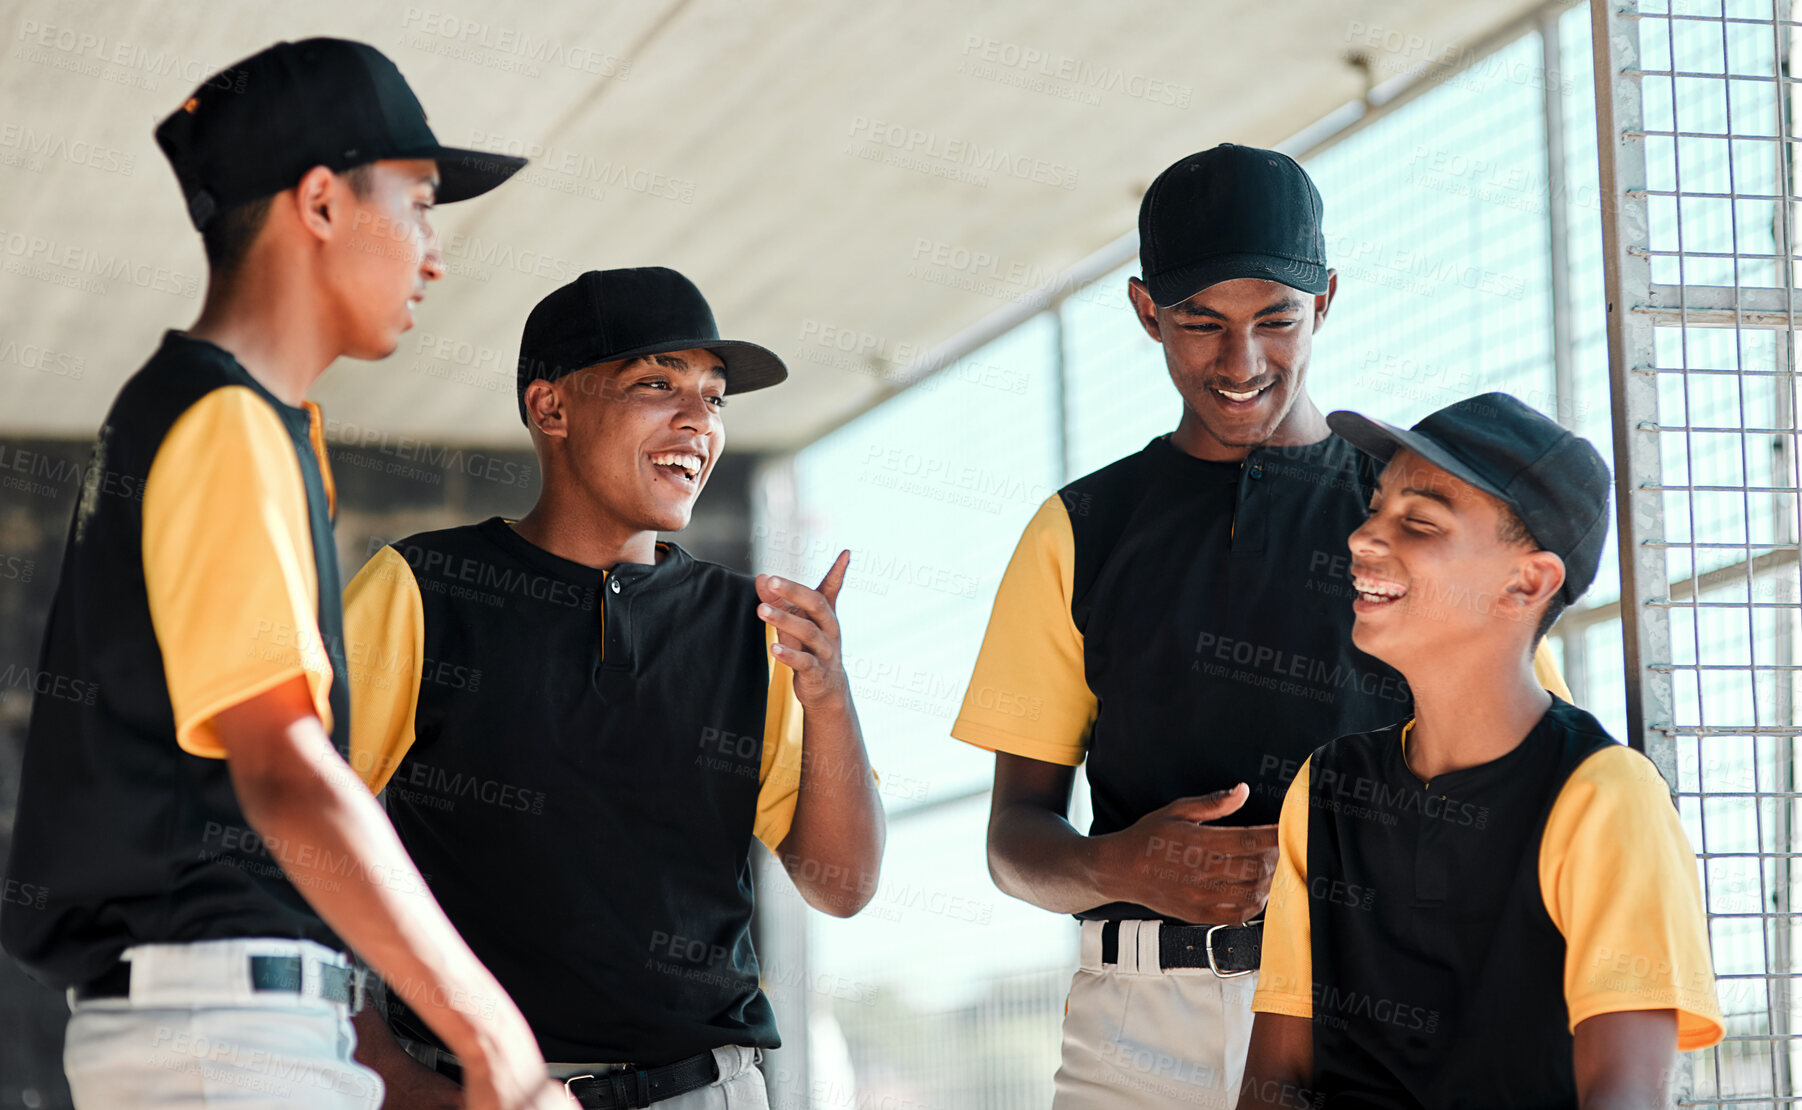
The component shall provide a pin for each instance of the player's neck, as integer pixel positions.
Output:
(573, 528)
(1303, 424)
(273, 321)
(1471, 708)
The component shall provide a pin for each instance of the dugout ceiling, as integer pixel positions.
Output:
(850, 183)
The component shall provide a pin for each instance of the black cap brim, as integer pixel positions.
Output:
(1380, 441)
(1173, 287)
(748, 366)
(463, 174)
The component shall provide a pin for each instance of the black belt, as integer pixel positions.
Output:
(628, 1087)
(267, 973)
(1222, 949)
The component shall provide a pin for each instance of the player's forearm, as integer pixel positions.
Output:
(833, 849)
(1623, 1100)
(1035, 855)
(1625, 1060)
(341, 853)
(1647, 1087)
(1279, 1065)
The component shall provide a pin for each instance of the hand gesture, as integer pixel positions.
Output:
(807, 633)
(1174, 863)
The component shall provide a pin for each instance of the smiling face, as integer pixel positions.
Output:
(635, 439)
(1433, 571)
(378, 267)
(1238, 353)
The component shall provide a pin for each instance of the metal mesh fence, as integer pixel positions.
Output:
(1696, 107)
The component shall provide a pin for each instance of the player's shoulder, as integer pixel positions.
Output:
(1098, 505)
(1589, 748)
(1609, 781)
(180, 360)
(399, 563)
(703, 576)
(460, 538)
(180, 373)
(184, 375)
(1123, 474)
(1615, 770)
(484, 568)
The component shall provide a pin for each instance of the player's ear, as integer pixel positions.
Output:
(544, 409)
(1144, 308)
(1537, 578)
(1324, 301)
(314, 201)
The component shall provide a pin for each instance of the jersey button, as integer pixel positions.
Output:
(613, 584)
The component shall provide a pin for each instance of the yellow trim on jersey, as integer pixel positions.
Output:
(1028, 693)
(228, 564)
(316, 436)
(384, 649)
(779, 779)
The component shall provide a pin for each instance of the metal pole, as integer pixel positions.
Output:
(1557, 219)
(1627, 277)
(1575, 663)
(1783, 832)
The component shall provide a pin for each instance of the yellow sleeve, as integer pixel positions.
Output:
(1286, 971)
(779, 779)
(1546, 671)
(1619, 880)
(384, 647)
(1028, 694)
(228, 565)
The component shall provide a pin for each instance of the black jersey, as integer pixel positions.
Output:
(200, 571)
(580, 761)
(1185, 625)
(1445, 938)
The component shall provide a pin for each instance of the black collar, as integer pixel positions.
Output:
(671, 567)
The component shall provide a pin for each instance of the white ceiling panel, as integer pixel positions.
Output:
(849, 183)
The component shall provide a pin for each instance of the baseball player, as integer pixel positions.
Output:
(1490, 903)
(1179, 619)
(582, 730)
(205, 854)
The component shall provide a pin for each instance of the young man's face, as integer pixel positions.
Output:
(1432, 570)
(378, 269)
(643, 434)
(1237, 351)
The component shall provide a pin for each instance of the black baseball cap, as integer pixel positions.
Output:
(608, 315)
(1231, 212)
(255, 128)
(1554, 480)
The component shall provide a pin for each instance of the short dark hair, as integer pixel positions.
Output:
(228, 235)
(1513, 530)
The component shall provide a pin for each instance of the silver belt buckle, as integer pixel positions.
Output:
(1214, 966)
(570, 1080)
